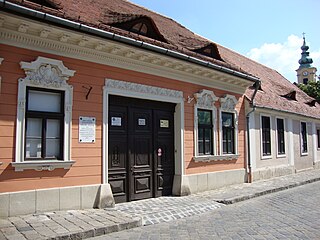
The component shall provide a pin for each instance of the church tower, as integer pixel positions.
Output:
(305, 72)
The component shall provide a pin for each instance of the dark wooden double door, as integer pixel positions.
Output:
(141, 148)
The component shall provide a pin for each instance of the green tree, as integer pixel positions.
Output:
(312, 89)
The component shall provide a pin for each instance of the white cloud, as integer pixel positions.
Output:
(284, 57)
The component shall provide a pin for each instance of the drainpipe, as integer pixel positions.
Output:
(257, 86)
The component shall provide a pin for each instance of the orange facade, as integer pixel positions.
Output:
(88, 166)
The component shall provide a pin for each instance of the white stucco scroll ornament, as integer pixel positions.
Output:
(143, 89)
(205, 99)
(228, 103)
(46, 72)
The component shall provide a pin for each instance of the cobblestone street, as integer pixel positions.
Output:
(290, 214)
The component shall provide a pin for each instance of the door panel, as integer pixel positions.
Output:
(141, 148)
(140, 153)
(117, 156)
(164, 151)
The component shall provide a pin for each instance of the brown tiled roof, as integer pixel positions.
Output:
(104, 13)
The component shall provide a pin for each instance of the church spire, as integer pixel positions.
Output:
(305, 61)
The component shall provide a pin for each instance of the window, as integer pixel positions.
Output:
(305, 81)
(205, 130)
(266, 136)
(304, 141)
(280, 135)
(44, 124)
(44, 114)
(318, 137)
(140, 28)
(228, 133)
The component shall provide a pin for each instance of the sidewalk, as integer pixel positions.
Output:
(80, 224)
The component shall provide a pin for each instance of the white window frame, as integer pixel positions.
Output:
(261, 145)
(285, 142)
(205, 100)
(228, 105)
(49, 74)
(301, 142)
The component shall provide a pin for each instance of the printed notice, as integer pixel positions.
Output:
(164, 123)
(141, 122)
(87, 129)
(115, 121)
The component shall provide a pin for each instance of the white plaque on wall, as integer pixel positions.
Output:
(116, 121)
(87, 129)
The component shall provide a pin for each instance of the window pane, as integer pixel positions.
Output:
(53, 148)
(34, 127)
(227, 119)
(44, 101)
(33, 148)
(208, 141)
(200, 141)
(53, 138)
(266, 135)
(33, 138)
(204, 117)
(304, 137)
(280, 132)
(53, 128)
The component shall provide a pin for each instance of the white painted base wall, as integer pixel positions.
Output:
(195, 183)
(54, 199)
(272, 172)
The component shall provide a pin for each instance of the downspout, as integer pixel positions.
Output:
(257, 86)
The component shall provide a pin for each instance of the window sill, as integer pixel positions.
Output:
(209, 158)
(266, 157)
(305, 154)
(281, 156)
(42, 165)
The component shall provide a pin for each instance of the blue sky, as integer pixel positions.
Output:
(268, 31)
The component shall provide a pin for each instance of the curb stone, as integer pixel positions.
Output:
(233, 200)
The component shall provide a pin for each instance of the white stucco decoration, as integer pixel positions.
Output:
(47, 72)
(143, 89)
(228, 103)
(205, 99)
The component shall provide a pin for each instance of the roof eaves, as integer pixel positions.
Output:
(16, 8)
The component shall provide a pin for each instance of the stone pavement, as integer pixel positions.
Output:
(80, 224)
(286, 215)
(71, 224)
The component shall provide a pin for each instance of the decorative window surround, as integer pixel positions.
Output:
(301, 139)
(264, 157)
(1, 59)
(228, 104)
(285, 143)
(205, 99)
(51, 74)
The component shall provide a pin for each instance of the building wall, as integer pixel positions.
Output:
(88, 167)
(272, 160)
(264, 167)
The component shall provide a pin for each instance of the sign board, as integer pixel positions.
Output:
(115, 121)
(87, 129)
(141, 122)
(164, 123)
